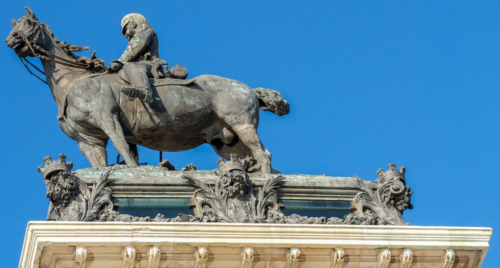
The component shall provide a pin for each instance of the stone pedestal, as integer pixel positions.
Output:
(228, 218)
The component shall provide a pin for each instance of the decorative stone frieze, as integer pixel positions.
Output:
(233, 199)
(247, 256)
(384, 258)
(338, 258)
(406, 258)
(128, 255)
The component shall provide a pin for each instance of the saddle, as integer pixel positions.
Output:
(158, 81)
(171, 81)
(160, 77)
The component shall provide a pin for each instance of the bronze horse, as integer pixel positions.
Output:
(92, 110)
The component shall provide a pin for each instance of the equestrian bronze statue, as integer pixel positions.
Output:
(184, 113)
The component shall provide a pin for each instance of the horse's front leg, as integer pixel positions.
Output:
(111, 126)
(133, 151)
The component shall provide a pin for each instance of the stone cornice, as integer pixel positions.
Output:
(150, 181)
(42, 235)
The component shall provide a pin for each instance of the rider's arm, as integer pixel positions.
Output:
(137, 44)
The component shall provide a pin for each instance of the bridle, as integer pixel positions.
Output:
(43, 54)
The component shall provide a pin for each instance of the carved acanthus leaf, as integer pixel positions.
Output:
(80, 256)
(406, 258)
(384, 258)
(247, 257)
(389, 199)
(154, 257)
(128, 255)
(292, 258)
(338, 258)
(448, 258)
(200, 257)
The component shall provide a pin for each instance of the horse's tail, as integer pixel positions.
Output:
(271, 100)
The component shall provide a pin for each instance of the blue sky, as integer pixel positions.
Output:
(369, 82)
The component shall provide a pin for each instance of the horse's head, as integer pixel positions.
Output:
(26, 28)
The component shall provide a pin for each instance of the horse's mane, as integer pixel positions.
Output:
(68, 48)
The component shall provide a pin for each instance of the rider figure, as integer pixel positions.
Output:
(142, 48)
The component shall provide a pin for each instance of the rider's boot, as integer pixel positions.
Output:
(143, 93)
(137, 74)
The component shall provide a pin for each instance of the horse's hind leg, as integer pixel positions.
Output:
(225, 150)
(95, 153)
(247, 133)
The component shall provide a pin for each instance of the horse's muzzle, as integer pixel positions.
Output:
(16, 43)
(13, 40)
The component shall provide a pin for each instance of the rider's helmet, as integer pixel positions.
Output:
(135, 17)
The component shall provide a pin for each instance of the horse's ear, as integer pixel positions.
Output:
(30, 13)
(14, 23)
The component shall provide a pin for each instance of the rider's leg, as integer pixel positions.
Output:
(137, 73)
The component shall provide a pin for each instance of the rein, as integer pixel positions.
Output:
(54, 58)
(28, 68)
(47, 56)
